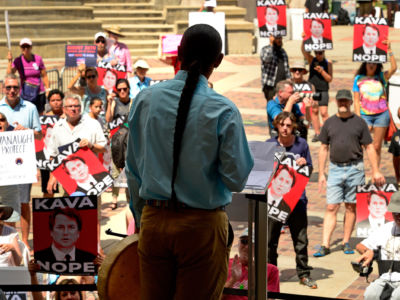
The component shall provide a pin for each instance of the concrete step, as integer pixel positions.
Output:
(115, 1)
(123, 5)
(143, 52)
(227, 2)
(114, 20)
(37, 13)
(40, 2)
(127, 13)
(141, 44)
(125, 28)
(155, 35)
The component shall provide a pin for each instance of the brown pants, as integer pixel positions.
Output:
(183, 254)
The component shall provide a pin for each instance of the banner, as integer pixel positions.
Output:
(372, 203)
(170, 43)
(369, 33)
(18, 161)
(76, 55)
(47, 124)
(318, 32)
(116, 124)
(65, 234)
(271, 15)
(286, 187)
(79, 171)
(108, 75)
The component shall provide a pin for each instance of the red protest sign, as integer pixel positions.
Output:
(108, 75)
(271, 17)
(47, 124)
(318, 32)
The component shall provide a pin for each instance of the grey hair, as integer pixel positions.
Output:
(281, 85)
(72, 96)
(12, 77)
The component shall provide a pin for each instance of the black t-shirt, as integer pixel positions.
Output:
(394, 147)
(280, 73)
(345, 138)
(317, 6)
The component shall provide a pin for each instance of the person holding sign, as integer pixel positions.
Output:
(118, 52)
(283, 181)
(370, 99)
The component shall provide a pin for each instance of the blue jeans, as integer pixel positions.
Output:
(343, 181)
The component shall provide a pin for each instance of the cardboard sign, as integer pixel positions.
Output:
(76, 55)
(369, 33)
(271, 15)
(47, 124)
(79, 171)
(18, 161)
(108, 75)
(170, 43)
(286, 187)
(318, 32)
(65, 234)
(372, 202)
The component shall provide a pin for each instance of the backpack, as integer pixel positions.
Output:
(343, 17)
(119, 144)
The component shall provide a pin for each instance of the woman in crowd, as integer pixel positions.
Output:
(320, 75)
(95, 108)
(370, 99)
(31, 70)
(91, 90)
(10, 253)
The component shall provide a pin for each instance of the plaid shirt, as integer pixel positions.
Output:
(269, 65)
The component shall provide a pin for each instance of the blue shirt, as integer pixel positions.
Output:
(274, 108)
(136, 85)
(215, 157)
(25, 113)
(298, 149)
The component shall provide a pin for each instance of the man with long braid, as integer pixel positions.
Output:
(187, 152)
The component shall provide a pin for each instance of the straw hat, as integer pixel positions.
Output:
(298, 65)
(115, 29)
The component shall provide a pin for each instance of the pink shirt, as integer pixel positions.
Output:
(121, 52)
(32, 70)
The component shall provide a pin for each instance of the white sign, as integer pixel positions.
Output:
(18, 160)
(216, 20)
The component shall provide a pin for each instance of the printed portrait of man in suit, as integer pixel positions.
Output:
(371, 36)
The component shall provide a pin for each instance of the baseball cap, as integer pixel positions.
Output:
(141, 63)
(100, 34)
(344, 94)
(394, 205)
(25, 41)
(245, 233)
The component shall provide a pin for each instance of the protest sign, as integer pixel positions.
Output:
(318, 32)
(372, 202)
(108, 75)
(47, 124)
(65, 234)
(170, 43)
(369, 34)
(116, 124)
(16, 295)
(106, 158)
(76, 55)
(287, 186)
(271, 15)
(79, 171)
(18, 161)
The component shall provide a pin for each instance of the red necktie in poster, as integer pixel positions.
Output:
(271, 15)
(318, 32)
(286, 187)
(369, 34)
(372, 203)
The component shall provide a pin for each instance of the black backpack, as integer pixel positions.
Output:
(119, 143)
(343, 17)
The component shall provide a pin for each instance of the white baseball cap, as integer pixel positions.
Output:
(100, 34)
(25, 41)
(141, 63)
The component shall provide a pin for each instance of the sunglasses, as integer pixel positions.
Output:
(244, 241)
(122, 89)
(90, 77)
(100, 41)
(25, 46)
(294, 70)
(9, 87)
(3, 119)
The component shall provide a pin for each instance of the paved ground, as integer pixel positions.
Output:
(238, 78)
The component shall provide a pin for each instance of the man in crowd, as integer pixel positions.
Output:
(345, 135)
(274, 66)
(370, 39)
(297, 148)
(21, 115)
(383, 244)
(317, 6)
(100, 40)
(377, 207)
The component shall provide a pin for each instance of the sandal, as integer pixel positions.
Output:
(322, 252)
(307, 281)
(347, 249)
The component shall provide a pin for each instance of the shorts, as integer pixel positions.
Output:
(24, 191)
(343, 181)
(324, 98)
(377, 120)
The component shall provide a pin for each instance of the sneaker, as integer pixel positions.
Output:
(322, 252)
(347, 249)
(307, 281)
(315, 138)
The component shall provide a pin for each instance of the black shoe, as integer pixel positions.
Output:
(307, 281)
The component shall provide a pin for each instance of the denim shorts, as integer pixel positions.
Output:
(377, 120)
(343, 181)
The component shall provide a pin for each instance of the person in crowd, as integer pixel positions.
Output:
(320, 75)
(95, 108)
(371, 36)
(164, 180)
(377, 207)
(208, 6)
(118, 52)
(21, 115)
(370, 98)
(274, 66)
(365, 7)
(55, 99)
(297, 148)
(91, 90)
(344, 135)
(100, 40)
(238, 270)
(139, 81)
(285, 100)
(391, 8)
(10, 253)
(4, 125)
(317, 6)
(383, 245)
(394, 148)
(33, 75)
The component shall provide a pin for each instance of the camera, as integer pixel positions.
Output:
(313, 96)
(359, 268)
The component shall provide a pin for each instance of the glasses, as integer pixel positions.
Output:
(73, 106)
(294, 70)
(90, 76)
(122, 89)
(244, 241)
(3, 119)
(10, 87)
(25, 46)
(100, 41)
